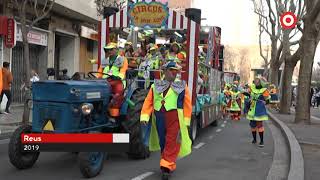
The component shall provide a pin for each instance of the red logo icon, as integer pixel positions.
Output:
(288, 20)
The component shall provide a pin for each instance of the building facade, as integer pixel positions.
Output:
(65, 39)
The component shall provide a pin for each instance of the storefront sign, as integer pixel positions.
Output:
(34, 37)
(10, 38)
(153, 15)
(89, 33)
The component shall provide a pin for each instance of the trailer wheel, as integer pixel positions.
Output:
(137, 148)
(91, 163)
(18, 158)
(193, 131)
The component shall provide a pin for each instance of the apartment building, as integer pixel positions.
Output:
(65, 39)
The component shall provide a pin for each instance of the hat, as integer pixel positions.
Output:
(172, 65)
(111, 45)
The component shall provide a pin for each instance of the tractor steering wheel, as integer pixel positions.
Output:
(92, 75)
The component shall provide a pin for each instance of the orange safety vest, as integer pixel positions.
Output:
(100, 70)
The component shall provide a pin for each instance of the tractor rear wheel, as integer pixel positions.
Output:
(91, 163)
(137, 148)
(18, 158)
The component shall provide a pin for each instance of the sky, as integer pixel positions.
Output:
(236, 18)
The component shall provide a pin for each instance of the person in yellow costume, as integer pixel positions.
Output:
(170, 101)
(259, 97)
(274, 100)
(235, 103)
(115, 73)
(147, 68)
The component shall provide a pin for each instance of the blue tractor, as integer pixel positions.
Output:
(81, 107)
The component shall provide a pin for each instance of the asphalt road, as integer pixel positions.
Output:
(315, 112)
(220, 153)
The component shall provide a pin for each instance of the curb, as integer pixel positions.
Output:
(309, 144)
(296, 167)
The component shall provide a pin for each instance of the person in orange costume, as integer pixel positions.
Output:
(170, 102)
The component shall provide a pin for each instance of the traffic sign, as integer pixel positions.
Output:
(288, 20)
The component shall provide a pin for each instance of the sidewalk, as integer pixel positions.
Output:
(309, 138)
(9, 122)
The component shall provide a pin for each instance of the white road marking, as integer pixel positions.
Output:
(210, 137)
(199, 145)
(218, 130)
(223, 125)
(4, 141)
(143, 176)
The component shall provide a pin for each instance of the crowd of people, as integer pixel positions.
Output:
(249, 101)
(148, 59)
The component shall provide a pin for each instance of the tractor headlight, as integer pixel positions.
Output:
(86, 108)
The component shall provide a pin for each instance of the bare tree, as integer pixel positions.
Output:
(101, 4)
(245, 65)
(230, 59)
(287, 57)
(40, 11)
(270, 23)
(281, 42)
(269, 13)
(263, 25)
(308, 44)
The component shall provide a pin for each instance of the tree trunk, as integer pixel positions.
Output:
(274, 63)
(286, 88)
(26, 59)
(309, 44)
(281, 83)
(274, 73)
(266, 72)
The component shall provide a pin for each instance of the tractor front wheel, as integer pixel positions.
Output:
(91, 163)
(19, 158)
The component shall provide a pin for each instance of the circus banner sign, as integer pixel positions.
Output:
(152, 15)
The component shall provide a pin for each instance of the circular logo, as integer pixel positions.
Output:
(288, 20)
